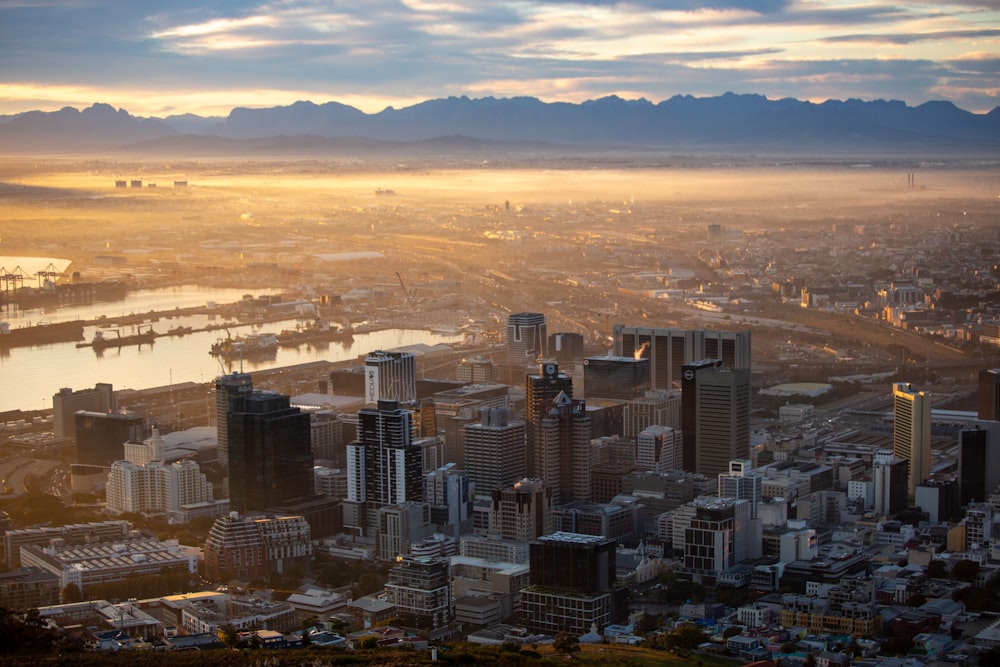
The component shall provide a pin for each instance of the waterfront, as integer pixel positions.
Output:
(31, 375)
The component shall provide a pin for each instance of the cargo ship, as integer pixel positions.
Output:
(249, 346)
(101, 341)
(41, 334)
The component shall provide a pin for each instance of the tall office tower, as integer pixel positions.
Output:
(101, 436)
(270, 453)
(451, 494)
(564, 449)
(622, 378)
(658, 407)
(384, 466)
(228, 390)
(989, 394)
(715, 416)
(522, 511)
(390, 376)
(566, 348)
(658, 448)
(973, 445)
(526, 341)
(689, 410)
(539, 390)
(669, 349)
(477, 370)
(67, 403)
(890, 476)
(911, 432)
(572, 584)
(420, 588)
(742, 482)
(495, 453)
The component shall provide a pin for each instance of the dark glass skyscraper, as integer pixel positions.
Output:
(972, 468)
(621, 378)
(270, 454)
(989, 394)
(101, 436)
(228, 389)
(689, 410)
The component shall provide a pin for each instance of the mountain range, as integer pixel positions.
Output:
(730, 122)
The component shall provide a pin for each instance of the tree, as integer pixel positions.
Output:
(683, 639)
(71, 593)
(368, 641)
(732, 631)
(937, 569)
(916, 600)
(566, 643)
(965, 570)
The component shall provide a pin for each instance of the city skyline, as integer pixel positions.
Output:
(207, 58)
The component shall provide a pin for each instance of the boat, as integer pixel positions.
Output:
(40, 334)
(179, 331)
(318, 331)
(101, 341)
(249, 346)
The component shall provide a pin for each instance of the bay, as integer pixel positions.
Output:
(29, 376)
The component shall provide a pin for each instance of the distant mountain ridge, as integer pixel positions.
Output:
(683, 122)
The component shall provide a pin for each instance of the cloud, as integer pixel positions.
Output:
(901, 38)
(396, 51)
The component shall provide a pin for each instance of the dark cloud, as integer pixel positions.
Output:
(909, 38)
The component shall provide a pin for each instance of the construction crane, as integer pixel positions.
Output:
(406, 293)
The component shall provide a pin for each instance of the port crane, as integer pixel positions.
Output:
(409, 294)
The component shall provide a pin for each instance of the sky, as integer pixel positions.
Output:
(205, 57)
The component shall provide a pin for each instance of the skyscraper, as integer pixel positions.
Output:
(722, 423)
(384, 466)
(563, 449)
(890, 477)
(526, 341)
(495, 450)
(270, 453)
(989, 394)
(622, 378)
(539, 390)
(669, 349)
(228, 389)
(390, 376)
(911, 432)
(689, 410)
(973, 450)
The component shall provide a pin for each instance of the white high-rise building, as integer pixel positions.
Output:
(156, 487)
(390, 376)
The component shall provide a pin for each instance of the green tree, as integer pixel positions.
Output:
(732, 631)
(916, 600)
(566, 643)
(368, 641)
